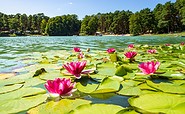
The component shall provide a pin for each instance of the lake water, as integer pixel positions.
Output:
(12, 48)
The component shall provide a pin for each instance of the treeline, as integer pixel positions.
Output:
(164, 18)
(38, 24)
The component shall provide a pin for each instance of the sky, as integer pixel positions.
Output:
(81, 8)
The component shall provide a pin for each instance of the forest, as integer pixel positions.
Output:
(164, 18)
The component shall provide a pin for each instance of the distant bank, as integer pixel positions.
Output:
(181, 34)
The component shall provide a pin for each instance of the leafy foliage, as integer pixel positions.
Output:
(110, 84)
(164, 18)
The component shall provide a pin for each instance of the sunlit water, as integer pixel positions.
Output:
(12, 48)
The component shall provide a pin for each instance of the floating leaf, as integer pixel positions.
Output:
(97, 109)
(21, 99)
(10, 81)
(6, 89)
(89, 88)
(168, 87)
(107, 85)
(130, 91)
(22, 104)
(33, 82)
(51, 75)
(127, 111)
(107, 69)
(113, 57)
(6, 75)
(159, 103)
(120, 71)
(20, 93)
(63, 106)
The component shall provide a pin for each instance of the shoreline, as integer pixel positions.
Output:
(181, 34)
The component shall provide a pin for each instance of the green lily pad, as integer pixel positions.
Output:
(107, 69)
(63, 106)
(10, 81)
(113, 57)
(20, 93)
(21, 99)
(158, 103)
(168, 87)
(6, 89)
(130, 91)
(89, 88)
(33, 82)
(121, 71)
(97, 109)
(107, 85)
(52, 75)
(22, 104)
(127, 111)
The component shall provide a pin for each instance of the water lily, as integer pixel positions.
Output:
(76, 68)
(59, 87)
(151, 51)
(110, 50)
(130, 46)
(182, 43)
(149, 67)
(130, 54)
(167, 44)
(76, 49)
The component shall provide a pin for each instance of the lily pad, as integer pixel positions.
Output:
(130, 91)
(21, 99)
(63, 106)
(33, 82)
(168, 87)
(6, 75)
(10, 81)
(97, 109)
(6, 89)
(107, 69)
(158, 103)
(18, 105)
(107, 85)
(20, 93)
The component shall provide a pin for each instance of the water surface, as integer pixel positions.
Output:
(12, 48)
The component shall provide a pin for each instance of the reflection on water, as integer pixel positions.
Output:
(12, 48)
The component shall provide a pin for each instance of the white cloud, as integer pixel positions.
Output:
(70, 3)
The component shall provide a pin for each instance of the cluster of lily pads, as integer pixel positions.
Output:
(138, 79)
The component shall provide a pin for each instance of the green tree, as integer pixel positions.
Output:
(63, 25)
(43, 26)
(147, 20)
(84, 25)
(23, 22)
(135, 27)
(93, 25)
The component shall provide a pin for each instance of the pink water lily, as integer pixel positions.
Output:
(76, 49)
(130, 54)
(167, 44)
(149, 67)
(76, 68)
(182, 43)
(110, 50)
(59, 87)
(151, 51)
(131, 46)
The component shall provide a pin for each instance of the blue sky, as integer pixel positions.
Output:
(53, 8)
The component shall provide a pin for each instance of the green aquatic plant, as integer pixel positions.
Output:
(103, 82)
